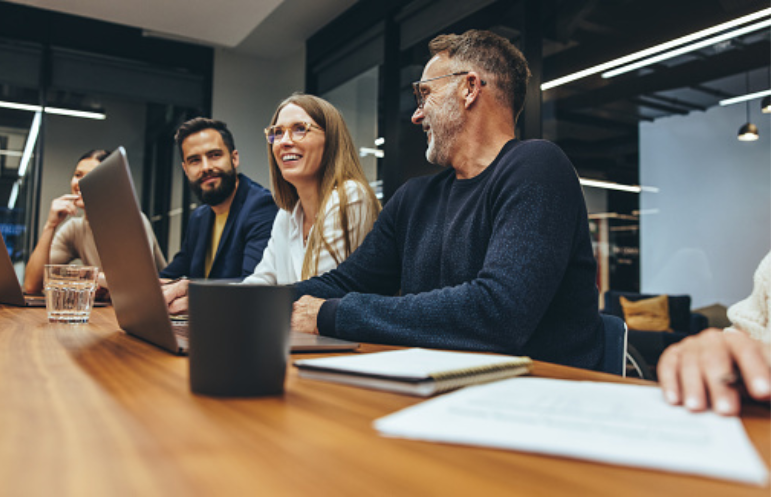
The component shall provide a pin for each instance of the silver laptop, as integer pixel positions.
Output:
(113, 213)
(10, 290)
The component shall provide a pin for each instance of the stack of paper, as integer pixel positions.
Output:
(612, 423)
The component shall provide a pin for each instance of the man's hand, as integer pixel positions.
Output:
(175, 294)
(304, 314)
(708, 368)
(61, 208)
(102, 293)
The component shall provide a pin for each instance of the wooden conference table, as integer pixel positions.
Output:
(87, 410)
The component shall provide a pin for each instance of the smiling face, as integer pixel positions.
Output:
(210, 166)
(440, 117)
(299, 161)
(81, 170)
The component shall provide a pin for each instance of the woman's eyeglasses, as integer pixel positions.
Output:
(297, 132)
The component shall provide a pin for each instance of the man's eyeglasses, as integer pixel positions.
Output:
(419, 98)
(297, 132)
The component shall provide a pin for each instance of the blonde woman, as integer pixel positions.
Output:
(326, 205)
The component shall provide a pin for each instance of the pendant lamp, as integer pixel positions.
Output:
(748, 132)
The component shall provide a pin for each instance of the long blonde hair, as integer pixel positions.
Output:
(339, 163)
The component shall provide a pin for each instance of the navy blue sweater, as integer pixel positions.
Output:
(501, 262)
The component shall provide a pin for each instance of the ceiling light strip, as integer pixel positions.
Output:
(54, 110)
(744, 98)
(655, 49)
(100, 116)
(17, 106)
(609, 185)
(14, 195)
(26, 157)
(688, 48)
(29, 147)
(365, 151)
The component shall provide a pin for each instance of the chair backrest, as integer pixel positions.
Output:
(614, 361)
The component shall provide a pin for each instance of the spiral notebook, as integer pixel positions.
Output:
(418, 372)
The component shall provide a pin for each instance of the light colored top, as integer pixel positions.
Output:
(220, 220)
(75, 240)
(282, 261)
(751, 315)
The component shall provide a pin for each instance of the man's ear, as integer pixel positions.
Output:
(473, 87)
(234, 155)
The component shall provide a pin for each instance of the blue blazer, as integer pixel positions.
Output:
(243, 240)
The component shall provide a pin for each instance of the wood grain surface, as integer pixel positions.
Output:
(88, 410)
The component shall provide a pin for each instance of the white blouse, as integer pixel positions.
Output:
(282, 261)
(753, 314)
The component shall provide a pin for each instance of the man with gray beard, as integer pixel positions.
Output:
(492, 254)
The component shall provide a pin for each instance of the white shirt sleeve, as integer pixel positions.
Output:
(266, 272)
(63, 246)
(283, 258)
(751, 315)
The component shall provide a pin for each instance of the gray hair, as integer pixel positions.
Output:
(493, 55)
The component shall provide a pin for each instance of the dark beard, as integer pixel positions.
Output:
(217, 195)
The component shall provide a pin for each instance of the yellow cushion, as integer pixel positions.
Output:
(647, 314)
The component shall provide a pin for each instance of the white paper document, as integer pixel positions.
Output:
(617, 424)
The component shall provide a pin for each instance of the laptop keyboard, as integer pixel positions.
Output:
(180, 328)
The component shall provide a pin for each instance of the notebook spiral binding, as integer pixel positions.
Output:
(452, 380)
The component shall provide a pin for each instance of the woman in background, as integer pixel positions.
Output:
(74, 240)
(326, 204)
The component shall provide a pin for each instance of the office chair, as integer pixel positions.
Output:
(637, 363)
(614, 360)
(651, 344)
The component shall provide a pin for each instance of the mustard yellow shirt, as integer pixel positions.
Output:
(216, 234)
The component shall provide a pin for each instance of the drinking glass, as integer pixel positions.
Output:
(70, 291)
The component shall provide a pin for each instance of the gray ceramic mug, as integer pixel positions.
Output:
(239, 338)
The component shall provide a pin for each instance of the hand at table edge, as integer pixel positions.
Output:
(709, 370)
(305, 313)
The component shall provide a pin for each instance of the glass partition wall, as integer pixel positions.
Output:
(91, 85)
(19, 131)
(22, 121)
(357, 100)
